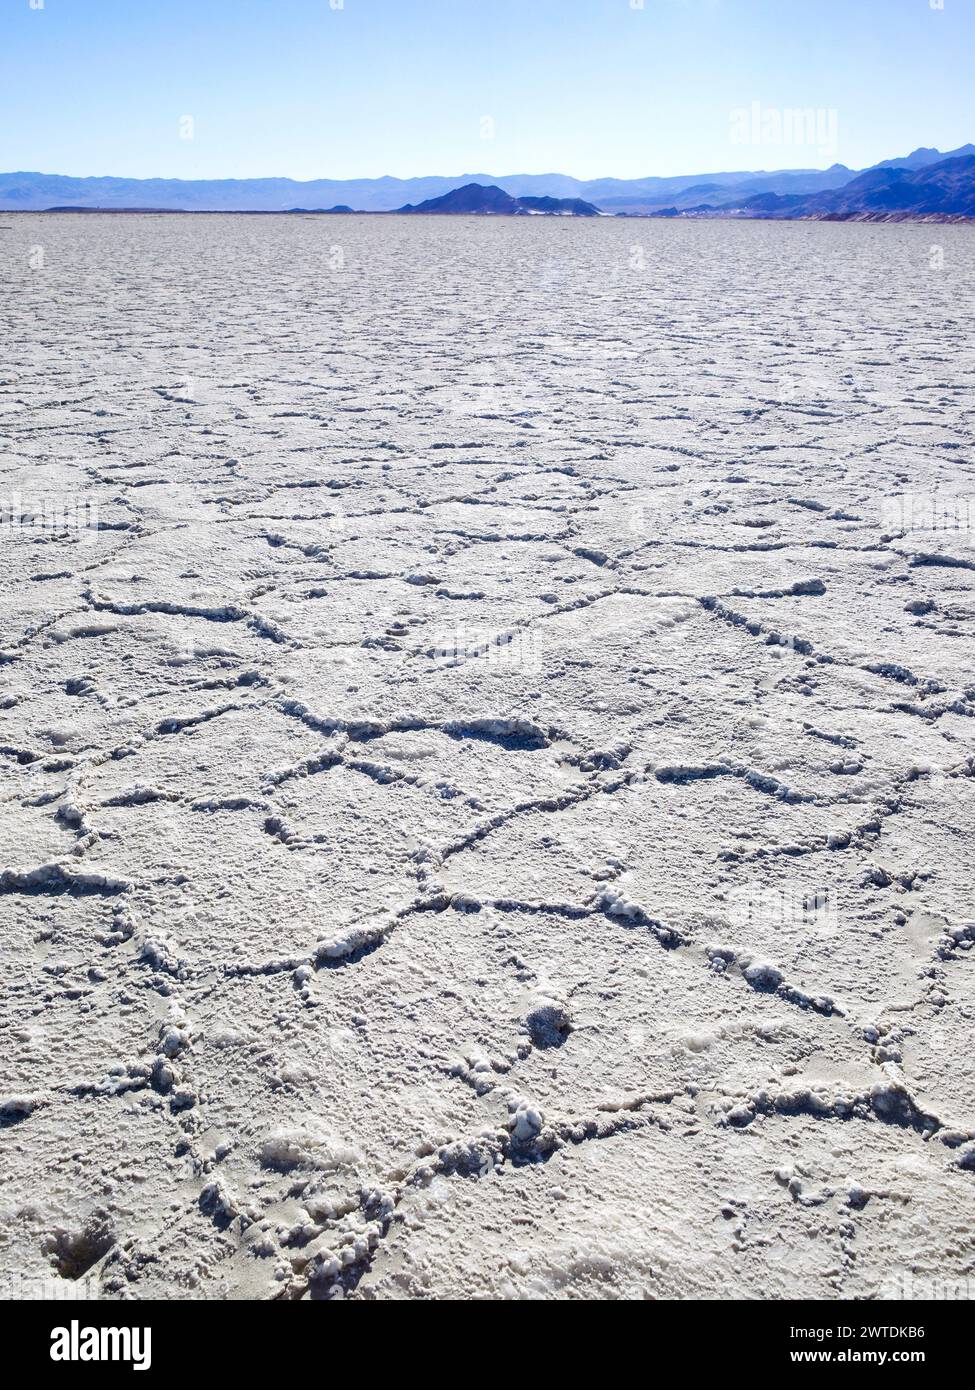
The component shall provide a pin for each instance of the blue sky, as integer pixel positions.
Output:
(323, 89)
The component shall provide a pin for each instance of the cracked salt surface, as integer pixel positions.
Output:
(487, 783)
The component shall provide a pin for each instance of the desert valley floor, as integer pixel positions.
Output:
(486, 757)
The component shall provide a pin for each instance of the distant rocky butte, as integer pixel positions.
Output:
(487, 200)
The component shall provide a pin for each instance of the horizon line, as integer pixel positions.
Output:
(410, 178)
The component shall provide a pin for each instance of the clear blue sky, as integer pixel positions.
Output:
(584, 87)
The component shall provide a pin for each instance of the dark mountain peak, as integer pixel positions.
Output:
(489, 200)
(476, 198)
(943, 190)
(920, 158)
(962, 165)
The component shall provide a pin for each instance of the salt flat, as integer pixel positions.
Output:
(487, 754)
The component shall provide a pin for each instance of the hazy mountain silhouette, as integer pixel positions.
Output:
(34, 192)
(489, 200)
(889, 192)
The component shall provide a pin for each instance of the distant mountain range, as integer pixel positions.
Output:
(917, 184)
(893, 192)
